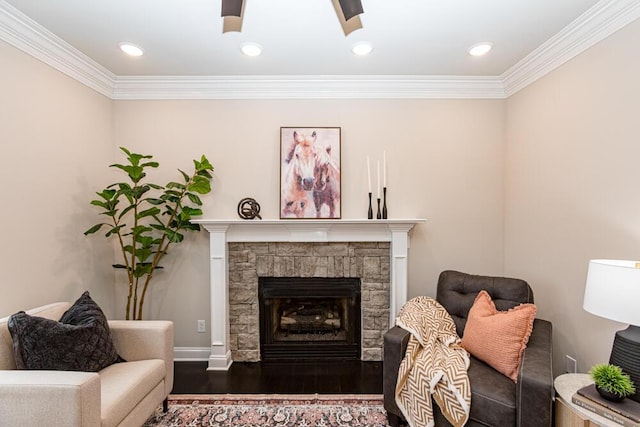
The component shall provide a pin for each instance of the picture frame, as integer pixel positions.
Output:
(310, 162)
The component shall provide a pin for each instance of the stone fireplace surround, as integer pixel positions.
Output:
(224, 233)
(368, 261)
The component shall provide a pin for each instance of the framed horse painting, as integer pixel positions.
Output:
(310, 173)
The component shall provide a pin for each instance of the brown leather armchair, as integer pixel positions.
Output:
(495, 399)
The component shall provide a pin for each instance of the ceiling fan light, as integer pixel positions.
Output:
(362, 48)
(251, 49)
(131, 49)
(480, 49)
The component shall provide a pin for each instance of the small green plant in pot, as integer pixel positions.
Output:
(611, 382)
(146, 219)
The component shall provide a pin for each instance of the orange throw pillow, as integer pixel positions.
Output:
(498, 338)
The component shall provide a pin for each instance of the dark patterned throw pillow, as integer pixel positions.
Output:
(80, 341)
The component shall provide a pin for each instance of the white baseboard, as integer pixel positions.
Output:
(191, 354)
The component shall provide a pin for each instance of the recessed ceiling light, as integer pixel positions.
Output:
(251, 49)
(362, 48)
(480, 49)
(131, 49)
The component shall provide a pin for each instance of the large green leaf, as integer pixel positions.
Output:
(175, 185)
(148, 212)
(187, 213)
(203, 164)
(143, 254)
(200, 185)
(145, 241)
(170, 198)
(107, 194)
(173, 236)
(138, 191)
(140, 229)
(94, 229)
(190, 226)
(194, 199)
(205, 174)
(113, 230)
(154, 201)
(125, 210)
(142, 269)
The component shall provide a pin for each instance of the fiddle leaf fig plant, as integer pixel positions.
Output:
(146, 219)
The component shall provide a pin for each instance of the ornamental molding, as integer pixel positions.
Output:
(599, 22)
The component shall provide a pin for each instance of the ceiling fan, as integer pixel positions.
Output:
(347, 11)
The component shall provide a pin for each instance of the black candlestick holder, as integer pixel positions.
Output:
(370, 213)
(379, 215)
(384, 203)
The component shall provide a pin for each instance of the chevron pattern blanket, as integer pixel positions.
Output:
(434, 365)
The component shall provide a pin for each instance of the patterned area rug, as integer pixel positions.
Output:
(271, 410)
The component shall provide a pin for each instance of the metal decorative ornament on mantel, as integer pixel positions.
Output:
(221, 232)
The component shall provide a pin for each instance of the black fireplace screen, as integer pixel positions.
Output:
(309, 317)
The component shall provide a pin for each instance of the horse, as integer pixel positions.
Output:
(302, 159)
(298, 178)
(326, 190)
(294, 201)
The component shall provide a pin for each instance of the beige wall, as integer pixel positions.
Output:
(55, 137)
(445, 164)
(531, 187)
(572, 186)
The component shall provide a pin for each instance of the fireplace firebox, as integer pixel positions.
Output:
(309, 317)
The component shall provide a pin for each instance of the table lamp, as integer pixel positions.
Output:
(613, 292)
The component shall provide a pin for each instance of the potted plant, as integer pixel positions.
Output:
(611, 382)
(146, 219)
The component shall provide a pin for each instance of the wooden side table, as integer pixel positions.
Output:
(570, 415)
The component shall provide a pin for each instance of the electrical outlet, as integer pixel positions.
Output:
(202, 326)
(572, 365)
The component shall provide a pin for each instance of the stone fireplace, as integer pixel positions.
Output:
(375, 252)
(249, 262)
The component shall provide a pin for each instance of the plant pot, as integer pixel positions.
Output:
(612, 397)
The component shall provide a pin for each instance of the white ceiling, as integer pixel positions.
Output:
(420, 46)
(304, 37)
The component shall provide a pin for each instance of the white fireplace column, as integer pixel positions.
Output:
(221, 232)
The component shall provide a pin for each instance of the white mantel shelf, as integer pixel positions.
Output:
(309, 230)
(222, 232)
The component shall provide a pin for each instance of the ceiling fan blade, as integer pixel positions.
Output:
(351, 8)
(231, 23)
(232, 15)
(347, 26)
(232, 7)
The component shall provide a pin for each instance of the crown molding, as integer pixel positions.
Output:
(32, 38)
(307, 87)
(603, 19)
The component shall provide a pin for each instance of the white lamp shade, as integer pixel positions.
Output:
(613, 290)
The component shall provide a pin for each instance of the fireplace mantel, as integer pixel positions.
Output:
(222, 232)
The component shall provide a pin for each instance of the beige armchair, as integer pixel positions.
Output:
(122, 394)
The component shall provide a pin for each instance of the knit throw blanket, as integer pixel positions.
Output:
(434, 365)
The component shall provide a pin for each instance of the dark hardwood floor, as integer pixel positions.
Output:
(290, 377)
